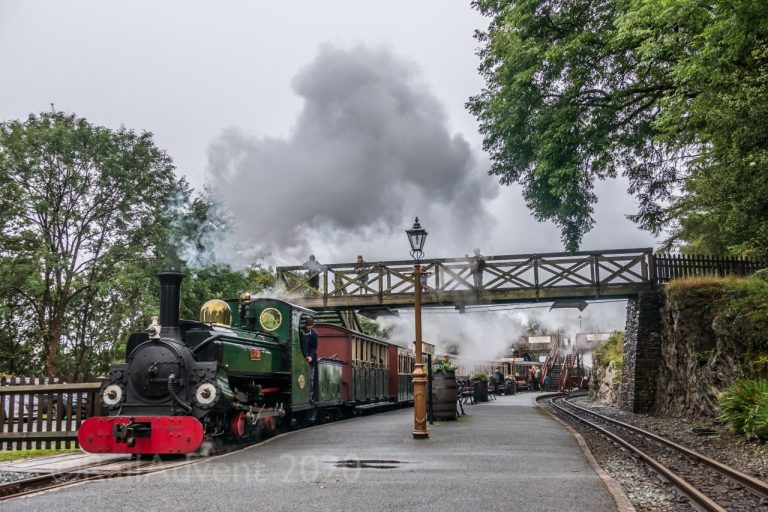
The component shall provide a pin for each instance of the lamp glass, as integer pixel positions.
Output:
(416, 236)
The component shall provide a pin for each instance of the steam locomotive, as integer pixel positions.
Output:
(237, 374)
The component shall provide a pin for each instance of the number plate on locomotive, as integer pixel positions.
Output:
(255, 354)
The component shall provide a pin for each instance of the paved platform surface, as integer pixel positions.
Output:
(504, 455)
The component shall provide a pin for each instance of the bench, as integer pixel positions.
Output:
(522, 385)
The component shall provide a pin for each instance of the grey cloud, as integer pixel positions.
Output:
(369, 140)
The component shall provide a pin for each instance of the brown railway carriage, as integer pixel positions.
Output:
(374, 372)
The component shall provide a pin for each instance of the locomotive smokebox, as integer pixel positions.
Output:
(170, 299)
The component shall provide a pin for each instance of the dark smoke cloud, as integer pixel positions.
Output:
(370, 139)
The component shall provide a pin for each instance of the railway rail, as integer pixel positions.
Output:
(707, 483)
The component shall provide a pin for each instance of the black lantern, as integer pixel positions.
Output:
(416, 236)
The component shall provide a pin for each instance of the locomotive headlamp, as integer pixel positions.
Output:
(206, 394)
(112, 395)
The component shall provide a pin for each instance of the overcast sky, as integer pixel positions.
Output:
(325, 127)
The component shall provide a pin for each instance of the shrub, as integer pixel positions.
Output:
(481, 376)
(744, 407)
(611, 350)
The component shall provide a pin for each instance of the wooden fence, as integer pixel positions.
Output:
(674, 266)
(41, 412)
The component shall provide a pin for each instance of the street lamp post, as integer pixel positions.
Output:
(416, 237)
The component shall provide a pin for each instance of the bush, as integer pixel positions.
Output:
(744, 407)
(481, 376)
(611, 350)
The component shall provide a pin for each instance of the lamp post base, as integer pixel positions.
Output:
(419, 403)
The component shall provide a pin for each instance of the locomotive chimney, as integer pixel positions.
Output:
(170, 297)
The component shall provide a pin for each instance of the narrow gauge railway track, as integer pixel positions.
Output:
(710, 485)
(49, 481)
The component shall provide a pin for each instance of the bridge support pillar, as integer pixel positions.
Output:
(642, 352)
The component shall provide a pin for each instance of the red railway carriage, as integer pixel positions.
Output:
(374, 372)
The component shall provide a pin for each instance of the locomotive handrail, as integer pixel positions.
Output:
(171, 381)
(236, 341)
(206, 342)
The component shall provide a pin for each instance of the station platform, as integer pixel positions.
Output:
(503, 455)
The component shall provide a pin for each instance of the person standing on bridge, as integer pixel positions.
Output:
(477, 266)
(313, 269)
(361, 269)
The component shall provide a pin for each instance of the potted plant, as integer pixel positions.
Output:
(443, 365)
(481, 386)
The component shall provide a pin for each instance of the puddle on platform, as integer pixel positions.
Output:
(368, 464)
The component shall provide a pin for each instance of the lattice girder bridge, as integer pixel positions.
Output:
(622, 273)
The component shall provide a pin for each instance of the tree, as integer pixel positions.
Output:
(90, 206)
(220, 282)
(372, 328)
(670, 94)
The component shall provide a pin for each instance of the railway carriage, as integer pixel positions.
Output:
(371, 371)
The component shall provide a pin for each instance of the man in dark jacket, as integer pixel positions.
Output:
(308, 339)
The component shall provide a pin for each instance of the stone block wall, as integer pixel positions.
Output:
(642, 352)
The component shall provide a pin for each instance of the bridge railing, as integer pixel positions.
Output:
(588, 270)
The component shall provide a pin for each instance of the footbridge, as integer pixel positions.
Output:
(621, 273)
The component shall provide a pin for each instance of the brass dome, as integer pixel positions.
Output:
(216, 312)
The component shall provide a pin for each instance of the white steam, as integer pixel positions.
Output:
(371, 141)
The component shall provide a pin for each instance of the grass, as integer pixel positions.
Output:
(744, 407)
(9, 455)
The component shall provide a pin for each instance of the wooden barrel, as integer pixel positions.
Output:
(444, 395)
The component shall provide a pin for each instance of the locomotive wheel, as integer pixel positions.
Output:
(237, 424)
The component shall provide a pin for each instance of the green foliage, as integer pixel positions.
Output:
(744, 407)
(372, 328)
(219, 282)
(481, 376)
(611, 350)
(442, 364)
(671, 94)
(86, 215)
(759, 364)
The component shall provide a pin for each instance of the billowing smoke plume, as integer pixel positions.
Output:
(370, 140)
(485, 335)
